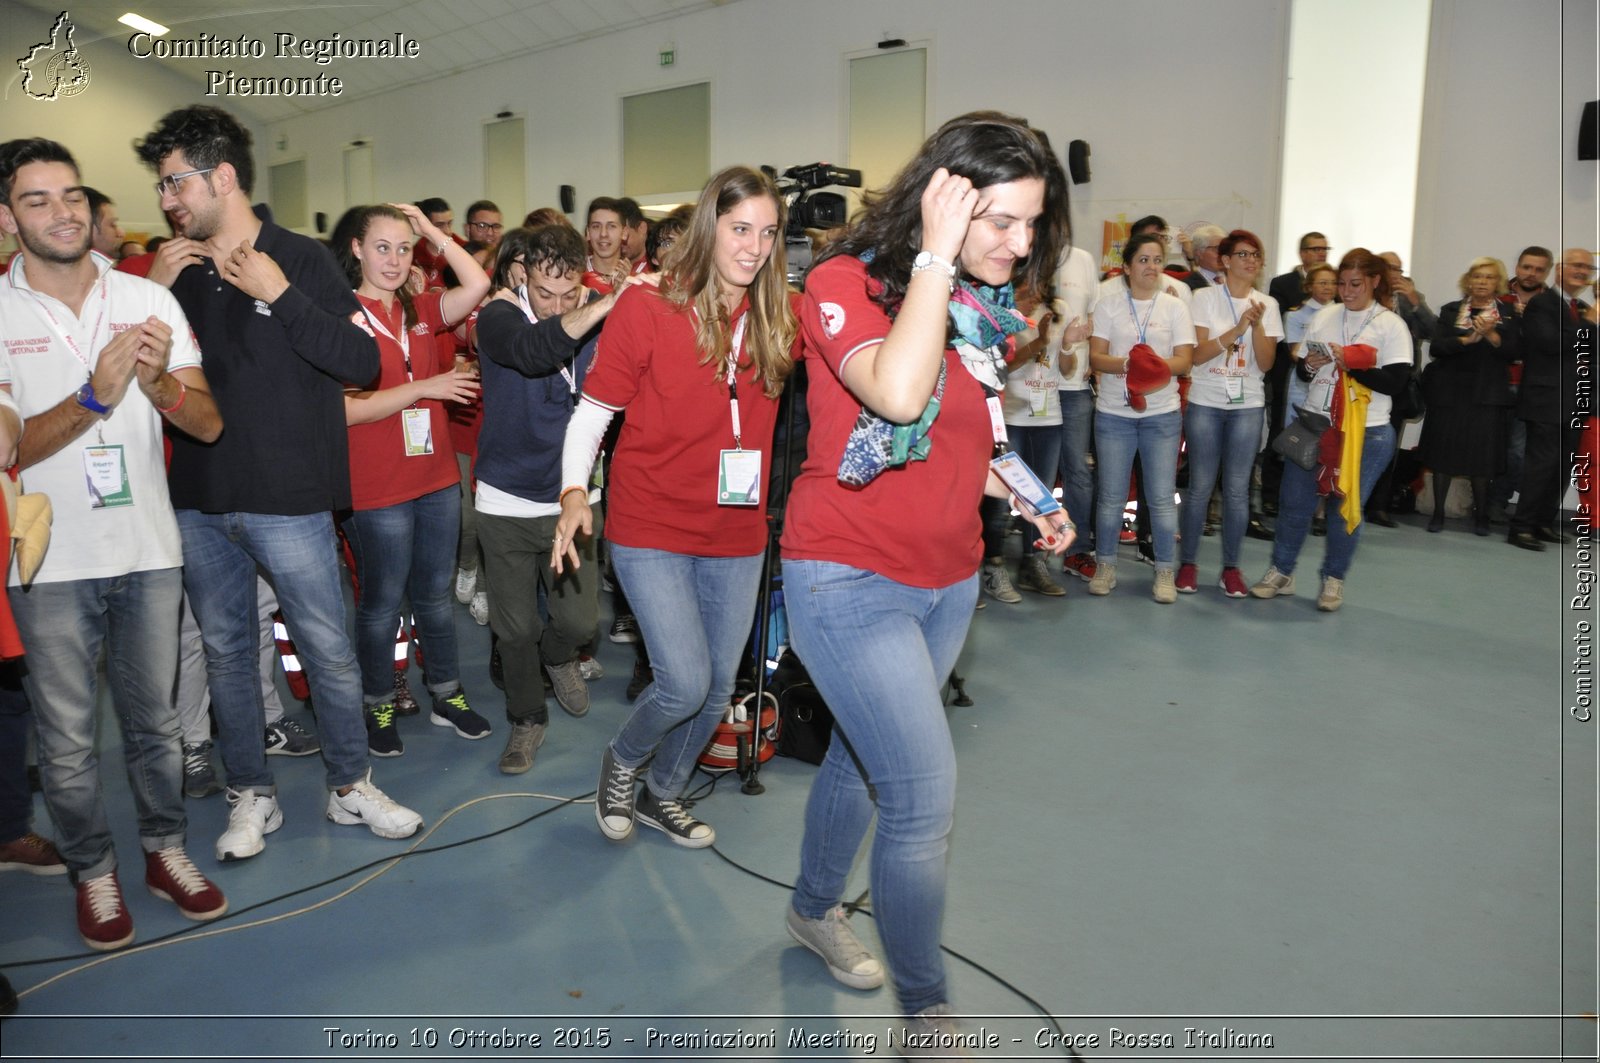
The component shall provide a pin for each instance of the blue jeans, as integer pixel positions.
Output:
(299, 557)
(1297, 502)
(1077, 478)
(64, 626)
(879, 651)
(695, 615)
(1039, 446)
(1228, 437)
(407, 549)
(1155, 439)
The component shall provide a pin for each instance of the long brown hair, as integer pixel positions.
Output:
(691, 281)
(355, 223)
(1368, 264)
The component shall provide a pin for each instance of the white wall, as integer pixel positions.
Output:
(1499, 168)
(1110, 74)
(123, 101)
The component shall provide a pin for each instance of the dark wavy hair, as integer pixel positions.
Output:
(15, 154)
(987, 148)
(555, 248)
(1131, 248)
(352, 229)
(207, 136)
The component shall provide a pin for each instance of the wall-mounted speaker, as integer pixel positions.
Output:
(1588, 129)
(569, 199)
(1078, 161)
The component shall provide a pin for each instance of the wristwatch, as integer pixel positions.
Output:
(87, 400)
(929, 260)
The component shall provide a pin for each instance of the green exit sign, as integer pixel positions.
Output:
(668, 56)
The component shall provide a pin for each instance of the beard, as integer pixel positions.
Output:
(1529, 285)
(39, 248)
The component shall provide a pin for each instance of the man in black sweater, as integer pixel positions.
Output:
(272, 312)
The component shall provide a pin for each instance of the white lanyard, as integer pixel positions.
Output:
(1344, 325)
(733, 384)
(527, 309)
(1134, 313)
(65, 336)
(404, 341)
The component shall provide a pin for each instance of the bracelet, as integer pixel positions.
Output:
(183, 393)
(927, 261)
(562, 497)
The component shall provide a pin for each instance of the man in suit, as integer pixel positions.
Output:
(1558, 327)
(1207, 265)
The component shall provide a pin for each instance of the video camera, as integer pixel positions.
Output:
(809, 208)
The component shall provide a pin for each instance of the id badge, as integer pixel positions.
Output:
(107, 477)
(1038, 399)
(418, 425)
(1030, 491)
(739, 478)
(1235, 385)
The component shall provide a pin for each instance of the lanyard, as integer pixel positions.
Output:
(65, 336)
(527, 309)
(1344, 326)
(1239, 345)
(733, 383)
(404, 341)
(1134, 313)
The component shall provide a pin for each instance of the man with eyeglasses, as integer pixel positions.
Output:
(1203, 243)
(1289, 289)
(483, 230)
(1558, 328)
(274, 313)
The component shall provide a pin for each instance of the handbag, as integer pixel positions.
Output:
(1301, 439)
(805, 723)
(1408, 404)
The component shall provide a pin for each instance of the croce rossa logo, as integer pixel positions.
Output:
(55, 69)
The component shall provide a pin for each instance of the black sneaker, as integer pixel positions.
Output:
(613, 800)
(624, 629)
(405, 704)
(383, 737)
(454, 711)
(285, 738)
(199, 777)
(672, 819)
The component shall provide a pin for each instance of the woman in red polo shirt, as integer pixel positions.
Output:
(698, 365)
(881, 557)
(403, 475)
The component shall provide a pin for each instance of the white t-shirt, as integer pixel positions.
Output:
(1166, 325)
(133, 531)
(1217, 312)
(1077, 290)
(1031, 397)
(1299, 319)
(1376, 327)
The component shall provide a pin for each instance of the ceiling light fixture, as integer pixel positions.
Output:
(139, 22)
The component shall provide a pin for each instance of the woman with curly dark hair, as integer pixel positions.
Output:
(906, 321)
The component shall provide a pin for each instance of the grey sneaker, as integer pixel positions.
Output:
(567, 682)
(1165, 590)
(521, 744)
(933, 1033)
(672, 819)
(1332, 596)
(199, 777)
(285, 738)
(1273, 584)
(997, 585)
(1104, 580)
(613, 801)
(831, 938)
(1034, 576)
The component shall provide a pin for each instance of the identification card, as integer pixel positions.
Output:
(107, 476)
(418, 425)
(1030, 491)
(739, 481)
(1235, 385)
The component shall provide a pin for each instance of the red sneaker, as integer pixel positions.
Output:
(103, 919)
(1233, 584)
(172, 876)
(1080, 565)
(1188, 580)
(33, 854)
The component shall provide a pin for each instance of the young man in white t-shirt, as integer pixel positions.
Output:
(95, 360)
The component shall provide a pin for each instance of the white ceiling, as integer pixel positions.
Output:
(455, 35)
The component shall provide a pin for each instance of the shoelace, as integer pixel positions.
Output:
(458, 701)
(182, 870)
(367, 792)
(244, 806)
(105, 899)
(383, 716)
(677, 814)
(33, 843)
(619, 790)
(196, 758)
(293, 729)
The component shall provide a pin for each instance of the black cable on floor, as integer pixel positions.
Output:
(858, 905)
(234, 914)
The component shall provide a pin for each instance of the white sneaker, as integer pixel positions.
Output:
(252, 817)
(466, 584)
(366, 804)
(1332, 596)
(479, 607)
(1274, 584)
(832, 938)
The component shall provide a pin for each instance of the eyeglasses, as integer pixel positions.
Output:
(488, 226)
(1248, 255)
(168, 185)
(1323, 248)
